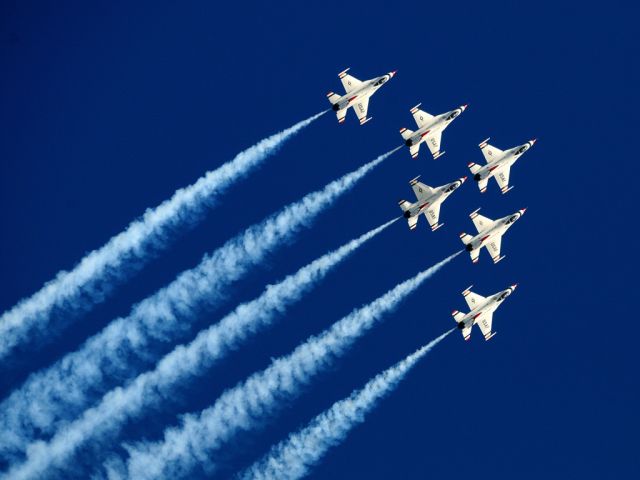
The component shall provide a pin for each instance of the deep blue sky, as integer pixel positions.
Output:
(107, 109)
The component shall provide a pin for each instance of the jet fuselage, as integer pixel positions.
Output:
(489, 305)
(367, 89)
(439, 122)
(498, 229)
(507, 158)
(439, 195)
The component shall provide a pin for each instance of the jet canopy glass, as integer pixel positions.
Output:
(453, 115)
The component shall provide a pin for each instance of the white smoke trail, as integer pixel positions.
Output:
(245, 406)
(80, 378)
(184, 363)
(95, 275)
(294, 457)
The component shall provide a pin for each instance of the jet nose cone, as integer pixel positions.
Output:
(522, 210)
(463, 179)
(464, 107)
(533, 141)
(514, 286)
(392, 74)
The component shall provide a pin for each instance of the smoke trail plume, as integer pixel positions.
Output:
(183, 364)
(294, 457)
(246, 406)
(115, 354)
(75, 291)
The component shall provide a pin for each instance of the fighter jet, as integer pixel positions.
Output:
(498, 164)
(357, 95)
(489, 235)
(430, 130)
(429, 201)
(481, 313)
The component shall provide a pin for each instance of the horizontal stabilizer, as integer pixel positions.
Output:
(466, 238)
(466, 333)
(474, 167)
(457, 316)
(406, 133)
(333, 97)
(404, 205)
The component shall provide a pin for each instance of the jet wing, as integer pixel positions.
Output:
(433, 142)
(361, 108)
(482, 223)
(349, 83)
(433, 213)
(421, 190)
(491, 153)
(421, 117)
(484, 321)
(473, 299)
(494, 249)
(502, 177)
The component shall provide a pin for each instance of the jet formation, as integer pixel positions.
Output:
(429, 199)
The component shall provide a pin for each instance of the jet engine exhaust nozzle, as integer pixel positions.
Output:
(335, 107)
(407, 214)
(461, 325)
(468, 247)
(408, 143)
(477, 177)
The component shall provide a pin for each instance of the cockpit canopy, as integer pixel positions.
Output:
(453, 115)
(451, 188)
(512, 219)
(522, 149)
(380, 81)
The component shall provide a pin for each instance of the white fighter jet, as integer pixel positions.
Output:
(429, 201)
(481, 313)
(489, 235)
(357, 95)
(429, 131)
(499, 163)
